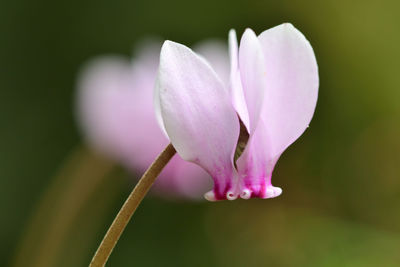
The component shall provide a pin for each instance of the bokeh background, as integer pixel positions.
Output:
(340, 180)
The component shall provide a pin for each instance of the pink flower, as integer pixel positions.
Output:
(116, 115)
(266, 105)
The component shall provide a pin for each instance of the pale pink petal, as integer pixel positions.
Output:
(289, 103)
(291, 95)
(233, 50)
(216, 53)
(253, 75)
(198, 115)
(235, 83)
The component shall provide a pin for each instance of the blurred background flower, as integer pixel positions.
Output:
(341, 178)
(115, 112)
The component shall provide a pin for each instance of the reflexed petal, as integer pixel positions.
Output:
(292, 91)
(253, 75)
(233, 50)
(289, 103)
(216, 53)
(197, 113)
(236, 89)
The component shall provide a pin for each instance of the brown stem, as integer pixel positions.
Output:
(129, 207)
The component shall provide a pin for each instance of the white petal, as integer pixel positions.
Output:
(292, 90)
(196, 109)
(236, 89)
(253, 75)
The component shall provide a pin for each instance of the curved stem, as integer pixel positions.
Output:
(129, 207)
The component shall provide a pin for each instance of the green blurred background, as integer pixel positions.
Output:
(341, 194)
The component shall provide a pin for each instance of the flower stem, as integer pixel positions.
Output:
(129, 207)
